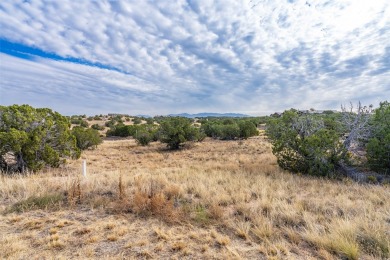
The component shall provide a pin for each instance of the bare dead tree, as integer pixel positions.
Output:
(356, 122)
(307, 125)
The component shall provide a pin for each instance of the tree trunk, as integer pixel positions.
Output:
(352, 172)
(3, 165)
(21, 165)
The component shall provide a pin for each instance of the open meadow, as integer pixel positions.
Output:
(212, 200)
(195, 129)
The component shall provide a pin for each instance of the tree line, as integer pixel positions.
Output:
(174, 131)
(33, 138)
(308, 143)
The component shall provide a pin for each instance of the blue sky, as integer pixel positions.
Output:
(160, 57)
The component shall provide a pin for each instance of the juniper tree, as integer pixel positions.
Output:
(378, 146)
(314, 144)
(33, 138)
(176, 130)
(302, 144)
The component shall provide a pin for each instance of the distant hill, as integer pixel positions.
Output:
(145, 116)
(209, 115)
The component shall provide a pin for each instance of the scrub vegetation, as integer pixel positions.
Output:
(217, 198)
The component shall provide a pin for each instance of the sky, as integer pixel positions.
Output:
(160, 57)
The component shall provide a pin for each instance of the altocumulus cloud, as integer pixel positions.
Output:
(158, 57)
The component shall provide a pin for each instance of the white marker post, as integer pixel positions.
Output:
(84, 168)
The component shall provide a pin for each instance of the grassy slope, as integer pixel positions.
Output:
(215, 200)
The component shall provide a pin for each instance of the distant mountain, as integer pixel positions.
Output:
(209, 115)
(145, 116)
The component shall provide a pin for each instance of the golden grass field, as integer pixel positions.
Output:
(210, 200)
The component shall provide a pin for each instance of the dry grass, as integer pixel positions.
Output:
(216, 200)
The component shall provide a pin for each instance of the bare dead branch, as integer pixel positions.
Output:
(356, 122)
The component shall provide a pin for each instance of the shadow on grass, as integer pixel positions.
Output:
(46, 201)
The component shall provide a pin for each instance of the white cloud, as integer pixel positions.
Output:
(191, 56)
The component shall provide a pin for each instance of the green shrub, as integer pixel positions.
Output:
(117, 118)
(229, 129)
(137, 121)
(176, 130)
(228, 121)
(143, 137)
(79, 121)
(86, 138)
(372, 179)
(122, 130)
(201, 136)
(97, 127)
(149, 121)
(110, 123)
(378, 147)
(142, 131)
(247, 129)
(76, 121)
(301, 143)
(84, 123)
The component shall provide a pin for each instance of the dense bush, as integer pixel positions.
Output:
(117, 118)
(137, 121)
(176, 130)
(114, 120)
(378, 147)
(110, 123)
(149, 121)
(84, 123)
(86, 137)
(143, 137)
(229, 129)
(143, 134)
(97, 127)
(34, 138)
(247, 129)
(158, 119)
(75, 120)
(122, 130)
(303, 144)
(146, 134)
(80, 122)
(318, 143)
